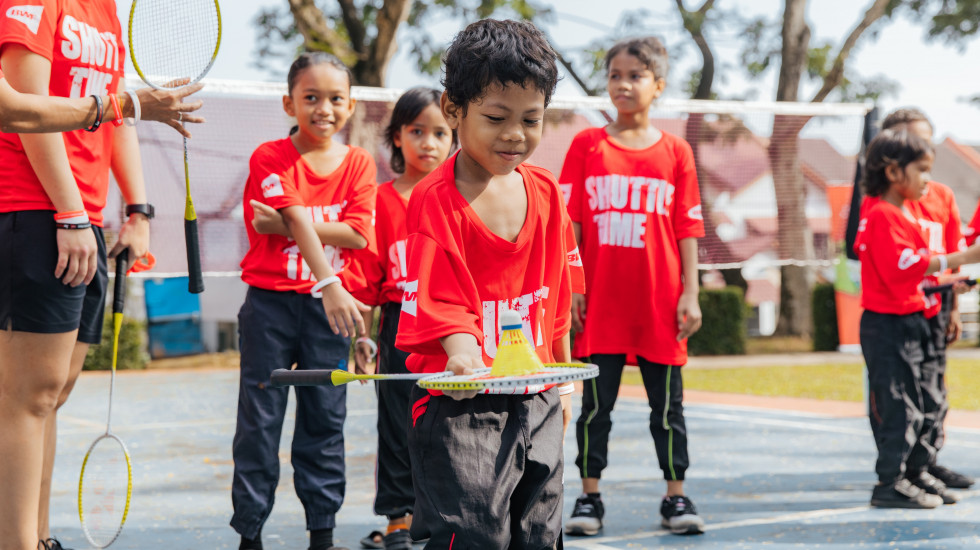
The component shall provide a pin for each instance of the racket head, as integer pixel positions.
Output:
(105, 488)
(482, 381)
(170, 40)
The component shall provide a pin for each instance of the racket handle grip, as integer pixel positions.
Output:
(947, 286)
(195, 280)
(119, 286)
(286, 377)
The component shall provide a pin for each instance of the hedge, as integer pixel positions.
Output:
(825, 336)
(723, 325)
(132, 347)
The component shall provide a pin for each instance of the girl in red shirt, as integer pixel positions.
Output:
(324, 193)
(420, 140)
(895, 337)
(637, 215)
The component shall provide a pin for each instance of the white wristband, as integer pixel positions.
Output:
(137, 112)
(566, 389)
(318, 287)
(942, 264)
(370, 344)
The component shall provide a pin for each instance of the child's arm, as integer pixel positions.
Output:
(465, 356)
(268, 221)
(578, 300)
(688, 309)
(561, 348)
(343, 311)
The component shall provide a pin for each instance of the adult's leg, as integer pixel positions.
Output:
(33, 371)
(267, 329)
(51, 440)
(595, 422)
(665, 393)
(318, 442)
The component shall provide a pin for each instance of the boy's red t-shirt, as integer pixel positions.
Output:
(278, 176)
(894, 257)
(634, 205)
(461, 275)
(84, 42)
(384, 271)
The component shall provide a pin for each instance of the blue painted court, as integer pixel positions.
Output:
(761, 479)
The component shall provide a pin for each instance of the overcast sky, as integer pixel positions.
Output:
(932, 76)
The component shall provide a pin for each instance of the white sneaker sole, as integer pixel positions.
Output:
(581, 529)
(684, 525)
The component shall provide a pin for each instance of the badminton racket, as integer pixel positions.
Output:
(106, 482)
(481, 380)
(336, 377)
(948, 286)
(173, 43)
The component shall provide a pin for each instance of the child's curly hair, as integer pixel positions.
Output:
(649, 50)
(890, 147)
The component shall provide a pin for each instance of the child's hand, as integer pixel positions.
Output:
(955, 328)
(268, 220)
(688, 315)
(566, 413)
(343, 311)
(578, 312)
(363, 359)
(459, 365)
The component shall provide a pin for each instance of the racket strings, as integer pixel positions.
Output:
(173, 39)
(104, 491)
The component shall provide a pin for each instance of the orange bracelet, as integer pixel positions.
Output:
(114, 100)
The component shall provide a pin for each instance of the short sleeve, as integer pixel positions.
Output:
(361, 200)
(575, 268)
(953, 231)
(440, 298)
(572, 180)
(687, 218)
(275, 186)
(30, 23)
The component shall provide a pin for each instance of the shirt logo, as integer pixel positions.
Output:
(908, 259)
(410, 299)
(575, 258)
(272, 186)
(695, 213)
(28, 15)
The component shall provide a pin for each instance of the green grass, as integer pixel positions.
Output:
(833, 381)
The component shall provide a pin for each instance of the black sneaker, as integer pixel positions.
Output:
(902, 494)
(52, 544)
(930, 484)
(586, 517)
(953, 480)
(680, 516)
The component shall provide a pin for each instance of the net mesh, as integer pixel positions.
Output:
(734, 145)
(104, 491)
(173, 39)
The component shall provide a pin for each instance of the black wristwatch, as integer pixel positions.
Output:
(146, 209)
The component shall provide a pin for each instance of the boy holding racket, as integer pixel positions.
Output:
(488, 233)
(637, 213)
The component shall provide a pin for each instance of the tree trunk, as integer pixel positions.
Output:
(794, 233)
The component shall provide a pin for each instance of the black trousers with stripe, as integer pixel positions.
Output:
(395, 496)
(938, 325)
(665, 393)
(903, 400)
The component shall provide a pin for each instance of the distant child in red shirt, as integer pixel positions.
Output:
(938, 218)
(325, 194)
(637, 214)
(420, 140)
(896, 338)
(489, 233)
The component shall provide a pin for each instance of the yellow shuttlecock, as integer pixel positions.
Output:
(515, 355)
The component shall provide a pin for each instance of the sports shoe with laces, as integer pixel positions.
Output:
(953, 480)
(586, 517)
(902, 494)
(680, 516)
(930, 484)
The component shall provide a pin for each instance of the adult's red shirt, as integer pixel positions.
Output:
(278, 176)
(634, 206)
(84, 42)
(972, 231)
(894, 257)
(384, 271)
(461, 275)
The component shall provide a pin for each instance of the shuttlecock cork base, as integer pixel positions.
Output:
(515, 355)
